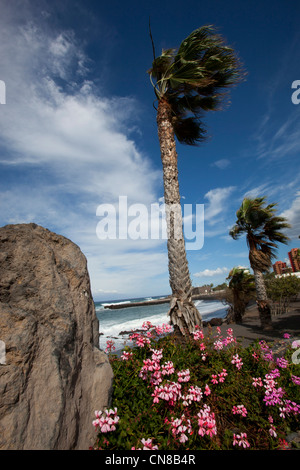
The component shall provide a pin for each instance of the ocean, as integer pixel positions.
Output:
(112, 322)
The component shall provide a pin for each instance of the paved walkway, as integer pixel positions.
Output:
(250, 329)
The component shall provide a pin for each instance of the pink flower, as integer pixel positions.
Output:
(255, 356)
(106, 420)
(281, 362)
(289, 407)
(218, 345)
(240, 410)
(168, 368)
(206, 422)
(296, 380)
(180, 426)
(272, 431)
(257, 382)
(156, 354)
(110, 346)
(147, 325)
(198, 335)
(194, 394)
(126, 355)
(164, 328)
(273, 396)
(241, 440)
(222, 375)
(148, 444)
(169, 392)
(237, 361)
(183, 375)
(139, 339)
(214, 379)
(207, 390)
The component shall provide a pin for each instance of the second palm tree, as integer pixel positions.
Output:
(263, 231)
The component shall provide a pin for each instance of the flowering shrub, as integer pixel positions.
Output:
(207, 392)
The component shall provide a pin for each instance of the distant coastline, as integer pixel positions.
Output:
(219, 295)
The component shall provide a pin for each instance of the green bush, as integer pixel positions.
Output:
(279, 288)
(205, 392)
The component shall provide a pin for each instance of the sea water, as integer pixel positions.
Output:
(113, 322)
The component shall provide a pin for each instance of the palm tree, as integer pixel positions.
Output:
(263, 232)
(241, 285)
(187, 82)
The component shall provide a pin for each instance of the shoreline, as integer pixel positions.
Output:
(250, 330)
(215, 296)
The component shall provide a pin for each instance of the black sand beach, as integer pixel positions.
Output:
(250, 329)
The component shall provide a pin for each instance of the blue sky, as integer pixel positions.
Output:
(78, 129)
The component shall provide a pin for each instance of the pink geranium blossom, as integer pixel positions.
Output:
(110, 346)
(237, 361)
(181, 426)
(239, 410)
(106, 420)
(168, 368)
(207, 422)
(148, 445)
(257, 382)
(183, 375)
(126, 355)
(241, 440)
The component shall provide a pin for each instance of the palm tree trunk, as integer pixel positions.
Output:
(238, 307)
(183, 312)
(262, 300)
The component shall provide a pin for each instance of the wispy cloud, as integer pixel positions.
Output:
(217, 205)
(212, 272)
(293, 216)
(221, 164)
(277, 135)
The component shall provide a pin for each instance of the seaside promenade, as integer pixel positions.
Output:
(250, 329)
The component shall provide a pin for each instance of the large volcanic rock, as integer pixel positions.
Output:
(54, 375)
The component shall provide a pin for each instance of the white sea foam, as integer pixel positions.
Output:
(113, 322)
(115, 303)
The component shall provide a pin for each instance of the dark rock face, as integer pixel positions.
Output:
(54, 376)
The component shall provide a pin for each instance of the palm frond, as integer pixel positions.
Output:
(194, 79)
(263, 230)
(188, 131)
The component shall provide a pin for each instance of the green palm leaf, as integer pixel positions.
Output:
(263, 230)
(194, 78)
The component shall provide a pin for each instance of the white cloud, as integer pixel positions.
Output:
(212, 272)
(222, 164)
(258, 191)
(241, 254)
(217, 203)
(69, 151)
(293, 217)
